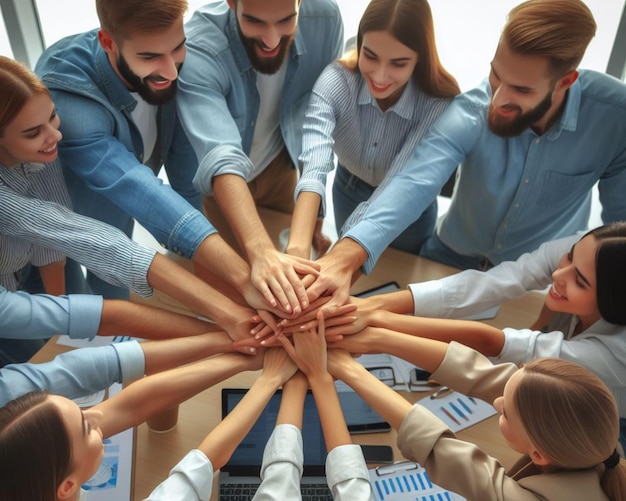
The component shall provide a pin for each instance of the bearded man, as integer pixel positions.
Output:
(243, 93)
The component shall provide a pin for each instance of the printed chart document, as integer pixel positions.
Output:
(407, 481)
(458, 411)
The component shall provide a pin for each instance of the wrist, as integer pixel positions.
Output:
(320, 382)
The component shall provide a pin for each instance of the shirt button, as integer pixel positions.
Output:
(516, 206)
(526, 180)
(537, 141)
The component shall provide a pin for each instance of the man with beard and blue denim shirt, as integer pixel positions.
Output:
(243, 93)
(114, 88)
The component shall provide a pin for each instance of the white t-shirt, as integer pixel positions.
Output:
(144, 115)
(267, 141)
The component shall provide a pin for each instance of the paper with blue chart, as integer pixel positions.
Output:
(458, 411)
(407, 481)
(113, 479)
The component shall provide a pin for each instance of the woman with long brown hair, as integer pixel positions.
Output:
(371, 109)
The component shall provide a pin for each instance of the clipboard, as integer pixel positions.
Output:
(406, 481)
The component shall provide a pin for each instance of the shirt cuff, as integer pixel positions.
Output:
(361, 233)
(192, 229)
(345, 462)
(284, 445)
(427, 298)
(85, 312)
(131, 359)
(141, 261)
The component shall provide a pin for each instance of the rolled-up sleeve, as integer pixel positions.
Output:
(347, 475)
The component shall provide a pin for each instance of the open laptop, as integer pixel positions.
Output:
(239, 478)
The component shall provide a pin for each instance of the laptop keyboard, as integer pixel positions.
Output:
(245, 492)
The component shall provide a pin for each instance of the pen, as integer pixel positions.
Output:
(443, 390)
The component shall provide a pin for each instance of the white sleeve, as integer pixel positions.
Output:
(190, 480)
(281, 470)
(347, 475)
(472, 291)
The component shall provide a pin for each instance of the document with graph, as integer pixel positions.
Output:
(406, 481)
(458, 411)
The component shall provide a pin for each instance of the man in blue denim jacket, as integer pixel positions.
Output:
(243, 92)
(114, 89)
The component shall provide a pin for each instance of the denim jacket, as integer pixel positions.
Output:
(218, 99)
(102, 149)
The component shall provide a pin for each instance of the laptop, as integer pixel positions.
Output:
(239, 478)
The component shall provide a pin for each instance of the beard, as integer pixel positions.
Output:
(515, 126)
(141, 85)
(266, 65)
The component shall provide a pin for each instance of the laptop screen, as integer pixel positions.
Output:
(248, 456)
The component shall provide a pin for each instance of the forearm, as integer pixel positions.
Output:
(53, 277)
(170, 353)
(157, 392)
(303, 224)
(222, 264)
(224, 438)
(329, 409)
(292, 401)
(197, 295)
(390, 405)
(484, 338)
(233, 196)
(148, 322)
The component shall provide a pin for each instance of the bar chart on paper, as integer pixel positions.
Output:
(458, 411)
(407, 481)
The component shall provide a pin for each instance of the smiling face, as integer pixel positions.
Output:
(524, 93)
(267, 29)
(574, 287)
(149, 63)
(386, 66)
(33, 134)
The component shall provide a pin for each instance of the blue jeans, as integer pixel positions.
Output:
(435, 250)
(349, 191)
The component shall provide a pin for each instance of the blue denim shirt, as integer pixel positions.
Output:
(218, 99)
(102, 149)
(511, 194)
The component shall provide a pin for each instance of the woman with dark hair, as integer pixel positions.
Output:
(371, 109)
(583, 320)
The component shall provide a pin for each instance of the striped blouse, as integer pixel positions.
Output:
(103, 249)
(344, 119)
(41, 181)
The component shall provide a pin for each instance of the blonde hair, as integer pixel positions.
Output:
(411, 23)
(124, 18)
(559, 30)
(571, 416)
(17, 85)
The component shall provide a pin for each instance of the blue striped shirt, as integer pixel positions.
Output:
(42, 181)
(104, 250)
(344, 119)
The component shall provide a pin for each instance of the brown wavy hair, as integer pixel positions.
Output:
(411, 23)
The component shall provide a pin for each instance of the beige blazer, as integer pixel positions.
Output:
(461, 466)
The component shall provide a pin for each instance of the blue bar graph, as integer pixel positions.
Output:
(408, 483)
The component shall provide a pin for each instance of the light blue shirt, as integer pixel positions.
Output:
(511, 194)
(76, 373)
(102, 149)
(218, 100)
(40, 316)
(343, 118)
(104, 250)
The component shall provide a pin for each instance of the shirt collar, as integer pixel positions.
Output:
(119, 96)
(569, 118)
(404, 107)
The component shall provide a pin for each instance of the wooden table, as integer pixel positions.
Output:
(157, 453)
